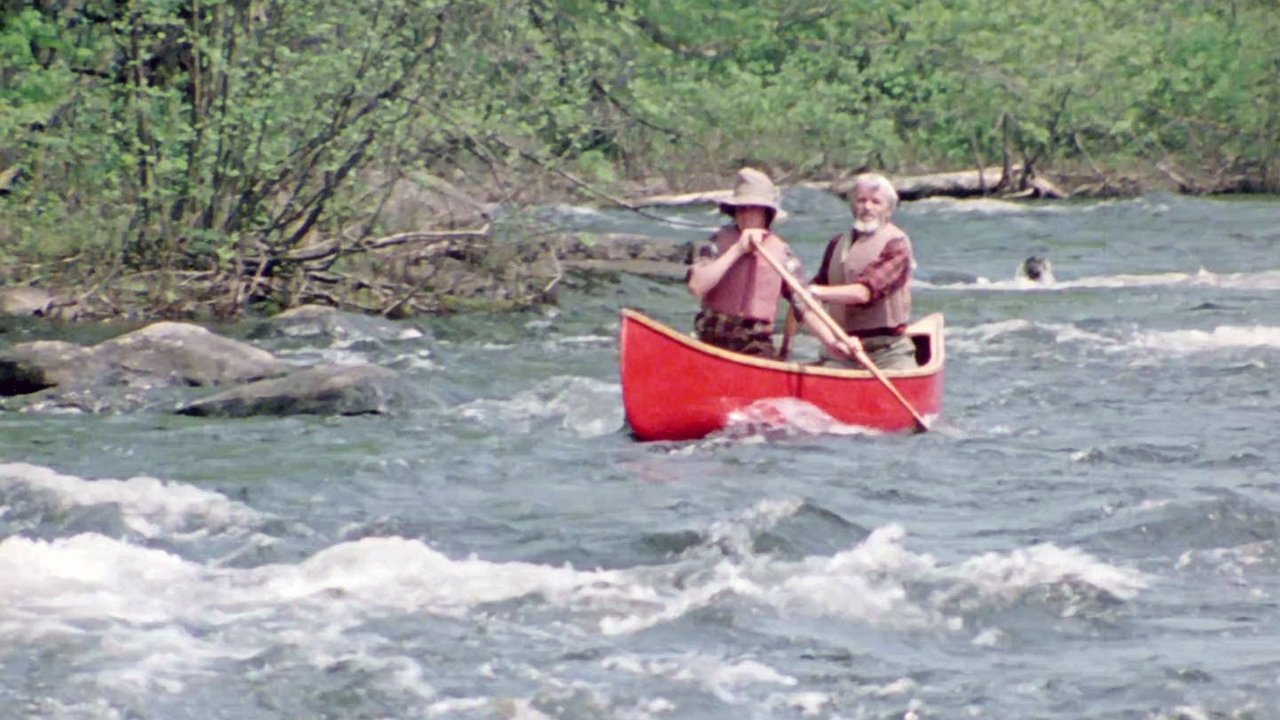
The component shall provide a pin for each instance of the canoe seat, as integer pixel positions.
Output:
(924, 349)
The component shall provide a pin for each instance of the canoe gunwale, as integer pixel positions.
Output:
(929, 326)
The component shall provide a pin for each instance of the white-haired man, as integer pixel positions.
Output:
(865, 276)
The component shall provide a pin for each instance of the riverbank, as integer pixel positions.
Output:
(479, 261)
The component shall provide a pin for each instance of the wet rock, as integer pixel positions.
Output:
(161, 355)
(166, 353)
(325, 390)
(621, 253)
(621, 246)
(34, 366)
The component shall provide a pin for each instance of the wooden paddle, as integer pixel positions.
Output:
(788, 332)
(799, 290)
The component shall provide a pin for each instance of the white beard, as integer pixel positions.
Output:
(866, 227)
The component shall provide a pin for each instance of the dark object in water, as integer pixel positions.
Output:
(1037, 268)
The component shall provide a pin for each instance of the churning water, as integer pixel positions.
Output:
(1091, 530)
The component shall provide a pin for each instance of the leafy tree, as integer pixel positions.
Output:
(206, 136)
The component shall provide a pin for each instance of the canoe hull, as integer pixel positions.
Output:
(676, 388)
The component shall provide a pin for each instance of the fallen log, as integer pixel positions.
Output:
(967, 183)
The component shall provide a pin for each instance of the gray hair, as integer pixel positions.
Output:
(880, 184)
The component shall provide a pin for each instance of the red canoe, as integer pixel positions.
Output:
(677, 388)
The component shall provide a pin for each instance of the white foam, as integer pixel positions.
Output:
(901, 686)
(148, 506)
(978, 339)
(809, 703)
(1067, 333)
(587, 340)
(1236, 565)
(788, 416)
(134, 605)
(163, 620)
(978, 206)
(1186, 712)
(140, 605)
(143, 603)
(408, 575)
(1009, 576)
(416, 360)
(1219, 338)
(584, 406)
(867, 582)
(724, 678)
(874, 583)
(451, 707)
(989, 331)
(1127, 281)
(1264, 280)
(738, 532)
(990, 638)
(93, 576)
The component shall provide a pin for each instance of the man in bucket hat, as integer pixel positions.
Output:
(739, 289)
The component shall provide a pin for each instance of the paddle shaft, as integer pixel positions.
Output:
(789, 331)
(812, 305)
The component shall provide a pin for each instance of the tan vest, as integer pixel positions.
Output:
(750, 288)
(891, 311)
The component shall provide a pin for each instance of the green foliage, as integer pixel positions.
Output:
(165, 133)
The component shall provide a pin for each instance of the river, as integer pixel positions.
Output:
(1090, 530)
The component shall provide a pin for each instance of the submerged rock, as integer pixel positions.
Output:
(325, 323)
(34, 366)
(125, 372)
(325, 390)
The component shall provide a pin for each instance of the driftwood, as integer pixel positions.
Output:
(969, 183)
(953, 184)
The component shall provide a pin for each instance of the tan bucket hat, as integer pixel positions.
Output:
(752, 188)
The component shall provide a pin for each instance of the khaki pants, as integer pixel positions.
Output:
(890, 352)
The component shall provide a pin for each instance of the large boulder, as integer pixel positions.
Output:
(172, 353)
(164, 354)
(324, 390)
(34, 366)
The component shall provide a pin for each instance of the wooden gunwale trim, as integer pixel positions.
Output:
(929, 325)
